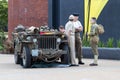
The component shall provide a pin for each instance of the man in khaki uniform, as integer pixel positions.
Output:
(94, 39)
(70, 32)
(78, 43)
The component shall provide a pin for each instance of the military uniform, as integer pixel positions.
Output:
(70, 32)
(94, 39)
(78, 42)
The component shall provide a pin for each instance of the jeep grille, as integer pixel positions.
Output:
(47, 42)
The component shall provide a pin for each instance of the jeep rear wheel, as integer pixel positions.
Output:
(16, 56)
(26, 58)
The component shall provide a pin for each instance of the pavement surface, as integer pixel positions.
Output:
(107, 70)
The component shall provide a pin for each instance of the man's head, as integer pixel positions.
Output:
(93, 20)
(76, 16)
(61, 29)
(71, 18)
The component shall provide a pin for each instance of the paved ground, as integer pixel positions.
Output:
(107, 70)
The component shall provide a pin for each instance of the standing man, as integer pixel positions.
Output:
(70, 32)
(78, 43)
(94, 39)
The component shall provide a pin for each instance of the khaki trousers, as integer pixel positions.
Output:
(72, 49)
(94, 44)
(78, 46)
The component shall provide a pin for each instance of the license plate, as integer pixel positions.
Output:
(35, 53)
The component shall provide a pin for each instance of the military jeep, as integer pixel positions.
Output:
(40, 46)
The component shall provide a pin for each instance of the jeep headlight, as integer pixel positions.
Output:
(58, 40)
(28, 38)
(34, 40)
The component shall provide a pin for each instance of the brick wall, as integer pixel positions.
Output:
(27, 13)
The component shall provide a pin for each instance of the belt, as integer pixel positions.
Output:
(72, 34)
(77, 32)
(95, 35)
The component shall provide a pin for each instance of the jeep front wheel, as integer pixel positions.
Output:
(26, 57)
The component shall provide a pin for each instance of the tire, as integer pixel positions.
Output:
(26, 59)
(65, 58)
(16, 56)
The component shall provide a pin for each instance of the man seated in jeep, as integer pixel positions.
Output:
(62, 29)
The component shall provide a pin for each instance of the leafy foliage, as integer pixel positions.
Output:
(85, 42)
(3, 14)
(110, 43)
(101, 44)
(118, 43)
(2, 38)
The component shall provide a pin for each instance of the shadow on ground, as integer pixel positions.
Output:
(49, 65)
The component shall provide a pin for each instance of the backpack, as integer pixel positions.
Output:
(100, 29)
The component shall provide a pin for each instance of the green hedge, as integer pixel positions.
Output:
(110, 43)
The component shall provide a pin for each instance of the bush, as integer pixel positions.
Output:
(118, 43)
(2, 38)
(101, 44)
(110, 43)
(85, 43)
(1, 48)
(3, 14)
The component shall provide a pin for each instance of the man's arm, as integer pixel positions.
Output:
(80, 28)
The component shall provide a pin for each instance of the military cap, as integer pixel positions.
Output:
(71, 17)
(76, 14)
(61, 27)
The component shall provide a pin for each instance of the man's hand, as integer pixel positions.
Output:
(79, 29)
(70, 32)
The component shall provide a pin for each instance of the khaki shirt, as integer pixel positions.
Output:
(94, 30)
(77, 24)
